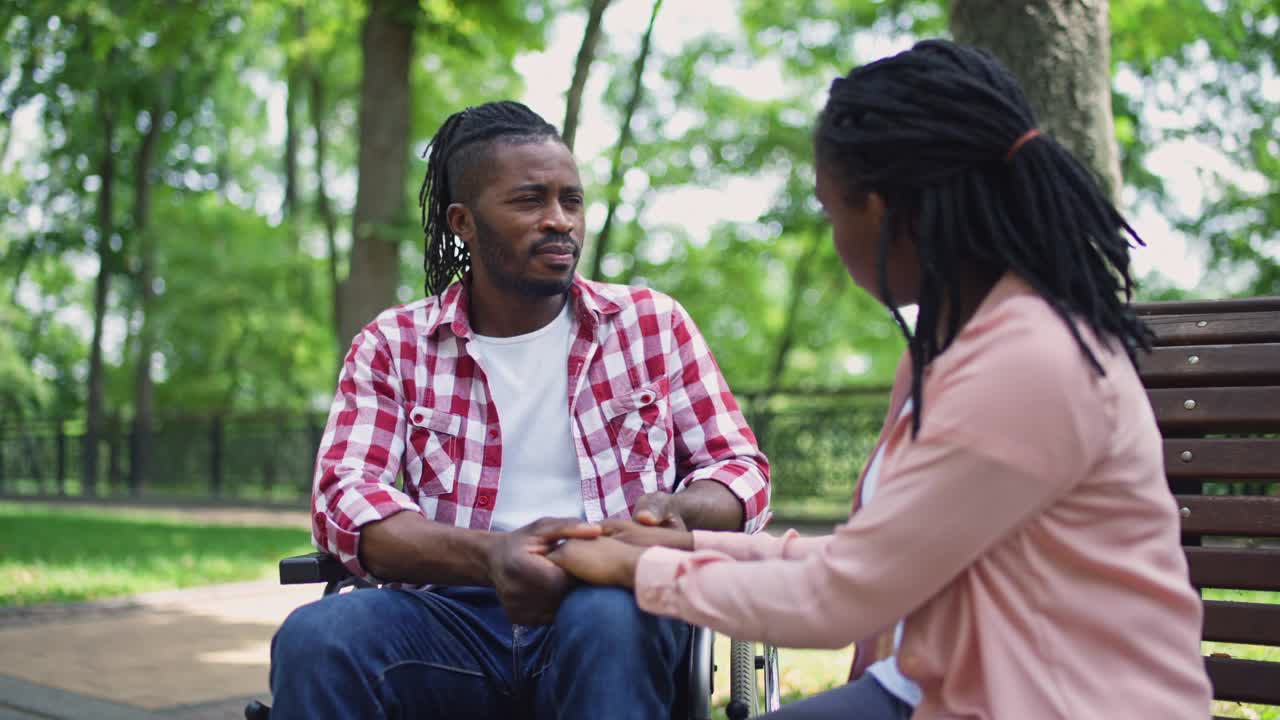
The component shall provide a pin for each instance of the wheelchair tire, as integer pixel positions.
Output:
(742, 680)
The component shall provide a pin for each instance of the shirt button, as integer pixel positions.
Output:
(483, 501)
(493, 434)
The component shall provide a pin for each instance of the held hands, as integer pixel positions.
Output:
(657, 522)
(611, 559)
(602, 561)
(632, 532)
(530, 585)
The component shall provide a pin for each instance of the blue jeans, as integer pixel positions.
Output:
(452, 653)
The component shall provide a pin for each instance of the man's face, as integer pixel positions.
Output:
(525, 225)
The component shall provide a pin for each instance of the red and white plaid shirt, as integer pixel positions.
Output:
(650, 409)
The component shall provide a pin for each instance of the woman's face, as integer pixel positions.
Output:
(855, 228)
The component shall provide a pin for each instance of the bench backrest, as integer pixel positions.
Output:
(1214, 383)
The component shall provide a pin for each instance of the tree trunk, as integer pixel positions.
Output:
(143, 387)
(1060, 52)
(293, 91)
(387, 48)
(624, 139)
(323, 207)
(800, 274)
(290, 203)
(581, 69)
(101, 289)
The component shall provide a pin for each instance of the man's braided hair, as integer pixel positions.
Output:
(460, 147)
(944, 134)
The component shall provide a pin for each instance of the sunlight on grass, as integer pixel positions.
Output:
(70, 555)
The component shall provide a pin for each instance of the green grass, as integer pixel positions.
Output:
(69, 555)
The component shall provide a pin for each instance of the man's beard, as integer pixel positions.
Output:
(494, 257)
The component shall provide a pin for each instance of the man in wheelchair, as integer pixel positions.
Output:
(523, 405)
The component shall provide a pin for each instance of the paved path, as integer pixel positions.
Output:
(197, 653)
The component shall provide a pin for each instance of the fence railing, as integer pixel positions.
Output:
(816, 443)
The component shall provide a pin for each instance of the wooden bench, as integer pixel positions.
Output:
(1214, 383)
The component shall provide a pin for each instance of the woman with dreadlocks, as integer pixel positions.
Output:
(1014, 550)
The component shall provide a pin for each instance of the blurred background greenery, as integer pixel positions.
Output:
(200, 203)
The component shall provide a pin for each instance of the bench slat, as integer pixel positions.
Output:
(1242, 622)
(1211, 307)
(1211, 365)
(1215, 328)
(1245, 459)
(1239, 568)
(1230, 515)
(1186, 411)
(1253, 681)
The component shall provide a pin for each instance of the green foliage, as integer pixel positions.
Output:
(244, 309)
(1207, 78)
(244, 314)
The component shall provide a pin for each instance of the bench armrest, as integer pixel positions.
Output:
(316, 567)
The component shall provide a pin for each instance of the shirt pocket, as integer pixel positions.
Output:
(638, 424)
(435, 449)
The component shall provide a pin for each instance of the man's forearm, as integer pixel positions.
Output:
(407, 547)
(709, 505)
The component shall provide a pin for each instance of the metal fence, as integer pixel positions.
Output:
(816, 443)
(257, 458)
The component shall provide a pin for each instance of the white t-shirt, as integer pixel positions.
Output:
(886, 671)
(528, 378)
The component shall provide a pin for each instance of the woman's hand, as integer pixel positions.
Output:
(603, 561)
(529, 586)
(645, 535)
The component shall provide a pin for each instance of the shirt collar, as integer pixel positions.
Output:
(593, 302)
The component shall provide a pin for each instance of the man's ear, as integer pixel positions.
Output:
(461, 222)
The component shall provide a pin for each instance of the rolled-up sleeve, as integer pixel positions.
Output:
(713, 440)
(360, 452)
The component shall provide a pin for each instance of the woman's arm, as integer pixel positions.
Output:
(1010, 430)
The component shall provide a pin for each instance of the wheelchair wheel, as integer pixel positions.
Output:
(742, 681)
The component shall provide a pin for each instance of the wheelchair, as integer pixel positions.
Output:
(747, 697)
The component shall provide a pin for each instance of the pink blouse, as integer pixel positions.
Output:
(1027, 536)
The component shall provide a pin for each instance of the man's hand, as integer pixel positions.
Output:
(702, 505)
(659, 509)
(634, 533)
(603, 561)
(529, 585)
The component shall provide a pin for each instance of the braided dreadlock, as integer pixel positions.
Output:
(451, 177)
(942, 133)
